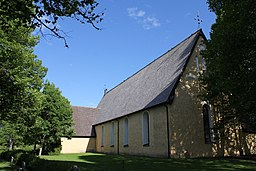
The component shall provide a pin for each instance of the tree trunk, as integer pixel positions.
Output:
(34, 150)
(41, 146)
(238, 139)
(222, 141)
(242, 137)
(40, 151)
(10, 144)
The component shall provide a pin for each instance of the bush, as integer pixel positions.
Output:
(34, 163)
(19, 157)
(6, 155)
(29, 159)
(56, 151)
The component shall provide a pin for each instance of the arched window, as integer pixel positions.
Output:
(125, 132)
(204, 64)
(145, 128)
(102, 136)
(208, 125)
(197, 64)
(112, 134)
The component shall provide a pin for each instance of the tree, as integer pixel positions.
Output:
(9, 134)
(21, 78)
(21, 73)
(54, 120)
(46, 13)
(28, 113)
(230, 80)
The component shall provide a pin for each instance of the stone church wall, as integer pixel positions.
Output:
(186, 120)
(158, 142)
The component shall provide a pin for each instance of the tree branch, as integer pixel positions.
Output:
(55, 33)
(88, 19)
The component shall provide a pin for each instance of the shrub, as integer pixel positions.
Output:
(29, 159)
(6, 155)
(34, 163)
(55, 151)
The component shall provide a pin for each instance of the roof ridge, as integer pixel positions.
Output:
(85, 107)
(197, 32)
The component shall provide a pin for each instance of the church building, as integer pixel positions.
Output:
(155, 112)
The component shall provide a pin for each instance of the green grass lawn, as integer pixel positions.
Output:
(5, 166)
(103, 162)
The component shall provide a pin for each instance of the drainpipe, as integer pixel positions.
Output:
(168, 131)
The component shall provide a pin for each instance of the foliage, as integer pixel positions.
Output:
(5, 166)
(46, 13)
(19, 157)
(6, 155)
(54, 120)
(21, 74)
(230, 80)
(55, 151)
(21, 78)
(29, 159)
(30, 111)
(10, 136)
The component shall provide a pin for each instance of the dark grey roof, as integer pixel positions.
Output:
(150, 86)
(84, 118)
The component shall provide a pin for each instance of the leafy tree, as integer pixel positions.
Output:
(54, 120)
(21, 78)
(230, 80)
(9, 134)
(25, 109)
(46, 13)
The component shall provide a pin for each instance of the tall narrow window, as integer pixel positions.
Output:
(102, 136)
(112, 135)
(126, 132)
(145, 128)
(197, 64)
(208, 125)
(204, 64)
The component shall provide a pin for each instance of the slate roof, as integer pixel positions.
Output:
(150, 86)
(84, 118)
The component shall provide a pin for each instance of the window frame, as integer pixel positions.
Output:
(197, 64)
(209, 133)
(102, 136)
(126, 132)
(112, 135)
(145, 128)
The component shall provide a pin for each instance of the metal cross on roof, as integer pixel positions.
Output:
(199, 20)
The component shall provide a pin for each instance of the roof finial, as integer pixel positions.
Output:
(199, 20)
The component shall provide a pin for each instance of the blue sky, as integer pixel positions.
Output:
(133, 33)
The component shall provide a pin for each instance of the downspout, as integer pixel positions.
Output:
(168, 130)
(117, 137)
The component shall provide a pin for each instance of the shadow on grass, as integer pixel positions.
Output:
(131, 163)
(102, 162)
(7, 169)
